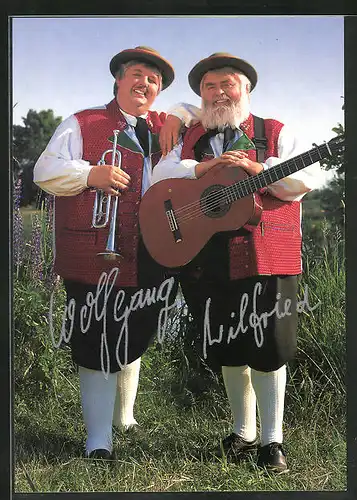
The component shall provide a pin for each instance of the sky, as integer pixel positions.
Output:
(62, 63)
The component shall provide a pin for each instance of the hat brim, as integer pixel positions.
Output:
(212, 63)
(164, 66)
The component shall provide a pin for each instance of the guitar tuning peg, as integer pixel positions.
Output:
(314, 144)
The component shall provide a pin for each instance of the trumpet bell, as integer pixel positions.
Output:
(110, 255)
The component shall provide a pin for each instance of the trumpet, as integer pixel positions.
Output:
(102, 204)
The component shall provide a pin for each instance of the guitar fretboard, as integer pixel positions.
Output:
(273, 174)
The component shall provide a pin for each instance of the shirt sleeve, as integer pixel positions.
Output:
(187, 113)
(171, 166)
(290, 188)
(60, 170)
(293, 187)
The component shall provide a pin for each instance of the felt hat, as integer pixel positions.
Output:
(146, 55)
(219, 60)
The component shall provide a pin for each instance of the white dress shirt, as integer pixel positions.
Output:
(290, 188)
(61, 171)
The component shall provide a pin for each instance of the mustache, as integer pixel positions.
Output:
(142, 88)
(227, 102)
(230, 113)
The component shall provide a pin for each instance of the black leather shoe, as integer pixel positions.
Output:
(101, 454)
(272, 457)
(235, 447)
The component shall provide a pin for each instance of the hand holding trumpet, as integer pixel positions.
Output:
(109, 179)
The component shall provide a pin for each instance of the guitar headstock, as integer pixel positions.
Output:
(337, 144)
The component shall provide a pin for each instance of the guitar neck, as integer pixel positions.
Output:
(273, 174)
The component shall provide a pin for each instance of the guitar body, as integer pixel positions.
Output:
(179, 216)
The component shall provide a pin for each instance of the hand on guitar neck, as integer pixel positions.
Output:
(237, 158)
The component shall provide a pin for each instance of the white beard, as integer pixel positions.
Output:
(231, 114)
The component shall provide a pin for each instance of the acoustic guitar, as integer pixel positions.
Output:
(178, 216)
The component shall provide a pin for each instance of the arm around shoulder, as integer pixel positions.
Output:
(171, 166)
(187, 113)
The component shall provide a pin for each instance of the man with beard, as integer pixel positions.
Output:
(235, 264)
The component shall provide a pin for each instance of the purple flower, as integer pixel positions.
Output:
(49, 202)
(18, 238)
(17, 194)
(36, 253)
(17, 225)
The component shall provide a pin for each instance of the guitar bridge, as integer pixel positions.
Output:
(171, 218)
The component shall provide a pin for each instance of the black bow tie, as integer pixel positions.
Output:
(141, 131)
(228, 135)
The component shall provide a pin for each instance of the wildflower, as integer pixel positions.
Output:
(18, 239)
(36, 254)
(47, 241)
(18, 227)
(17, 194)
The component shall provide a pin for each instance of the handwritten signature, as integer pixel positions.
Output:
(96, 304)
(255, 321)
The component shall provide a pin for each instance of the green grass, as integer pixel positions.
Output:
(181, 407)
(170, 452)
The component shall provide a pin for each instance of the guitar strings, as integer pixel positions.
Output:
(228, 194)
(216, 198)
(214, 201)
(246, 184)
(236, 188)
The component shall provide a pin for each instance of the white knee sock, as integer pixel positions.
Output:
(270, 391)
(241, 399)
(98, 396)
(127, 386)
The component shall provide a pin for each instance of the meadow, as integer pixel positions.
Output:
(181, 405)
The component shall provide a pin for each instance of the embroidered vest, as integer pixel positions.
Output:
(274, 246)
(77, 242)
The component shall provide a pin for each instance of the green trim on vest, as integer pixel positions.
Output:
(243, 143)
(125, 142)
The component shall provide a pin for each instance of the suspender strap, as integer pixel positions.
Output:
(259, 138)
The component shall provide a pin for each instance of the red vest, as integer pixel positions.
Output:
(274, 246)
(77, 243)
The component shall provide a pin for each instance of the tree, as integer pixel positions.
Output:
(324, 209)
(336, 161)
(28, 143)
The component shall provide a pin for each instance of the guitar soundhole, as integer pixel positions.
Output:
(214, 202)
